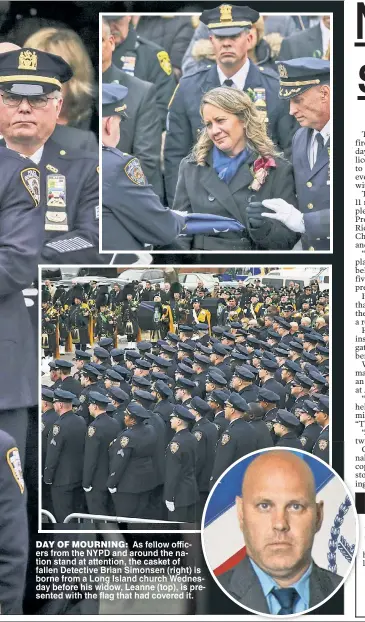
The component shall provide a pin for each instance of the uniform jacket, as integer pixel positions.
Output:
(272, 385)
(140, 133)
(65, 451)
(132, 213)
(184, 120)
(157, 422)
(264, 437)
(72, 385)
(21, 233)
(151, 64)
(237, 441)
(289, 440)
(301, 44)
(249, 393)
(206, 434)
(74, 138)
(48, 419)
(313, 191)
(309, 436)
(181, 460)
(199, 190)
(131, 460)
(99, 435)
(171, 33)
(221, 423)
(242, 583)
(321, 447)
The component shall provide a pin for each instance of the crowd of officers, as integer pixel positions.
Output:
(147, 431)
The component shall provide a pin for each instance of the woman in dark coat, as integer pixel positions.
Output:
(234, 163)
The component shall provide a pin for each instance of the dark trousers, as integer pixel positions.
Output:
(80, 346)
(133, 505)
(99, 502)
(67, 500)
(184, 514)
(203, 496)
(155, 506)
(15, 423)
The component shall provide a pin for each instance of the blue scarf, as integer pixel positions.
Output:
(227, 167)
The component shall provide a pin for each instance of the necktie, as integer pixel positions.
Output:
(286, 597)
(228, 82)
(320, 141)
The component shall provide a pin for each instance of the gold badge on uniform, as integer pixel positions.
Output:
(31, 180)
(55, 430)
(225, 438)
(13, 460)
(91, 431)
(198, 435)
(174, 447)
(283, 73)
(134, 172)
(28, 59)
(226, 13)
(164, 60)
(124, 441)
(322, 444)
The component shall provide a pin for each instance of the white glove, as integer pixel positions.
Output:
(170, 506)
(285, 213)
(112, 490)
(88, 489)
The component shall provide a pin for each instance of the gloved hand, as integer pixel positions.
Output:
(112, 490)
(88, 489)
(254, 214)
(170, 506)
(285, 213)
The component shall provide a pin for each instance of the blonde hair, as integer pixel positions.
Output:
(78, 92)
(238, 103)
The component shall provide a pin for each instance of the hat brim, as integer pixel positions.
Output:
(228, 31)
(21, 86)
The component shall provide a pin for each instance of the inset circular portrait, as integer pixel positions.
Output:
(287, 528)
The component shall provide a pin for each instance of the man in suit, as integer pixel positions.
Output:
(312, 42)
(229, 26)
(279, 517)
(140, 133)
(305, 82)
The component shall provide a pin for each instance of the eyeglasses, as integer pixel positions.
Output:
(35, 101)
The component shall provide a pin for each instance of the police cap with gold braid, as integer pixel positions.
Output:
(228, 20)
(112, 99)
(300, 74)
(31, 72)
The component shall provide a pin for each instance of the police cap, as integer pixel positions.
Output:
(297, 347)
(98, 398)
(144, 396)
(113, 375)
(286, 419)
(117, 353)
(309, 357)
(272, 334)
(62, 364)
(186, 347)
(219, 396)
(118, 394)
(300, 74)
(303, 381)
(311, 337)
(142, 364)
(183, 328)
(162, 388)
(185, 383)
(243, 373)
(32, 72)
(105, 342)
(173, 337)
(201, 326)
(265, 395)
(47, 394)
(185, 369)
(215, 377)
(292, 366)
(200, 358)
(219, 349)
(316, 376)
(268, 364)
(112, 99)
(165, 347)
(309, 407)
(131, 355)
(159, 375)
(161, 362)
(143, 346)
(323, 404)
(90, 371)
(123, 371)
(182, 413)
(136, 410)
(140, 381)
(101, 353)
(228, 20)
(201, 406)
(59, 395)
(237, 402)
(229, 336)
(80, 355)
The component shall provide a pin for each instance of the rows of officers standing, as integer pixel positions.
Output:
(146, 432)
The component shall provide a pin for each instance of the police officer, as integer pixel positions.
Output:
(65, 457)
(68, 382)
(269, 402)
(243, 382)
(20, 246)
(131, 467)
(184, 389)
(30, 86)
(312, 429)
(288, 371)
(200, 367)
(321, 447)
(14, 528)
(237, 441)
(219, 359)
(49, 417)
(89, 382)
(120, 400)
(132, 213)
(80, 359)
(181, 493)
(229, 26)
(305, 83)
(164, 406)
(216, 400)
(99, 435)
(206, 434)
(286, 429)
(255, 416)
(266, 375)
(300, 390)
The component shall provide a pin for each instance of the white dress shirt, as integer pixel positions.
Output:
(238, 79)
(313, 145)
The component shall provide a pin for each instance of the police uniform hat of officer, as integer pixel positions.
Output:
(59, 395)
(235, 325)
(243, 373)
(62, 364)
(118, 394)
(219, 396)
(110, 408)
(144, 396)
(159, 375)
(238, 356)
(99, 367)
(101, 353)
(105, 342)
(273, 334)
(305, 330)
(162, 388)
(182, 413)
(112, 100)
(229, 336)
(201, 326)
(303, 381)
(316, 376)
(265, 395)
(140, 381)
(142, 364)
(31, 72)
(296, 346)
(144, 346)
(200, 405)
(312, 337)
(165, 347)
(292, 366)
(300, 74)
(185, 383)
(309, 407)
(131, 355)
(268, 364)
(323, 404)
(258, 354)
(173, 337)
(242, 349)
(161, 362)
(113, 375)
(99, 399)
(284, 323)
(117, 353)
(253, 341)
(237, 402)
(123, 371)
(47, 394)
(269, 356)
(309, 357)
(219, 349)
(186, 347)
(75, 402)
(187, 361)
(255, 331)
(323, 350)
(281, 352)
(201, 358)
(286, 419)
(90, 371)
(265, 346)
(80, 355)
(136, 410)
(215, 377)
(151, 358)
(217, 330)
(185, 329)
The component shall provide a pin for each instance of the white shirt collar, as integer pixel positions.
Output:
(36, 157)
(326, 36)
(239, 78)
(325, 131)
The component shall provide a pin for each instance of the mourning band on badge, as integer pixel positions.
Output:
(31, 180)
(13, 460)
(134, 172)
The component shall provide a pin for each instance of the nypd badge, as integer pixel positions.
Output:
(124, 441)
(174, 447)
(91, 431)
(134, 172)
(42, 426)
(225, 438)
(55, 430)
(82, 398)
(283, 73)
(303, 440)
(13, 460)
(322, 444)
(31, 180)
(164, 60)
(198, 435)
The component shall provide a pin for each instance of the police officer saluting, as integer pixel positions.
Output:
(132, 213)
(99, 435)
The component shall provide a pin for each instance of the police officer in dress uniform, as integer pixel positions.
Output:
(216, 400)
(81, 358)
(14, 528)
(99, 435)
(321, 447)
(243, 382)
(312, 429)
(65, 457)
(132, 213)
(206, 434)
(255, 417)
(30, 85)
(49, 417)
(305, 82)
(131, 467)
(20, 246)
(229, 26)
(68, 382)
(181, 493)
(286, 428)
